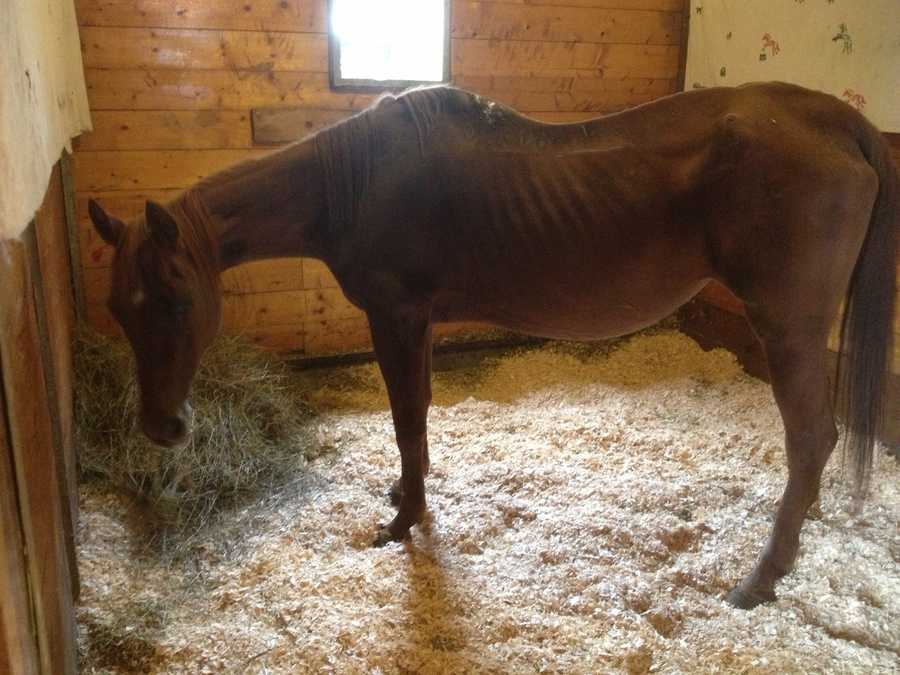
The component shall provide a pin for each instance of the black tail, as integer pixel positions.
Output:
(867, 327)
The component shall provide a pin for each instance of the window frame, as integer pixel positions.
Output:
(346, 84)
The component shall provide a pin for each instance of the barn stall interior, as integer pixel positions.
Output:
(590, 507)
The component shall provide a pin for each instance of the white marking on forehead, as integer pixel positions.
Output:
(138, 297)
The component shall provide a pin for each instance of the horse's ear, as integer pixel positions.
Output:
(162, 225)
(109, 229)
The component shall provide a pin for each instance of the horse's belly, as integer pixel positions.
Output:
(560, 314)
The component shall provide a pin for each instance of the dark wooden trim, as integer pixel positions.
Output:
(52, 387)
(35, 464)
(275, 126)
(451, 346)
(68, 188)
(18, 649)
(685, 34)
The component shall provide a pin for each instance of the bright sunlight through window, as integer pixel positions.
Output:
(388, 41)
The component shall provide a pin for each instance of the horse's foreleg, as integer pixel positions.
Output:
(403, 348)
(395, 492)
(798, 372)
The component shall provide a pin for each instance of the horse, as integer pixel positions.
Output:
(439, 205)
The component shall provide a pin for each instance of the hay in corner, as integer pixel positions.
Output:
(251, 432)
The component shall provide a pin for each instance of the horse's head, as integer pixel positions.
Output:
(164, 295)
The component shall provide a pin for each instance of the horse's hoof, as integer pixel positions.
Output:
(742, 598)
(395, 493)
(385, 536)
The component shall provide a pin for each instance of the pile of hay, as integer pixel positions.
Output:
(250, 431)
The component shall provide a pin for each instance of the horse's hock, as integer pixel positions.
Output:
(396, 277)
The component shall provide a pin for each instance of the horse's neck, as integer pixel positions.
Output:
(266, 208)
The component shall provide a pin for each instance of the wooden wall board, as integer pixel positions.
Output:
(284, 339)
(169, 89)
(263, 51)
(53, 251)
(614, 61)
(618, 93)
(260, 15)
(131, 48)
(52, 272)
(303, 16)
(272, 126)
(166, 130)
(653, 5)
(152, 169)
(36, 465)
(317, 275)
(512, 21)
(334, 336)
(18, 650)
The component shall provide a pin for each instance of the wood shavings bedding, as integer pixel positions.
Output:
(588, 512)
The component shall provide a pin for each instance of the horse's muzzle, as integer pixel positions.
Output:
(169, 431)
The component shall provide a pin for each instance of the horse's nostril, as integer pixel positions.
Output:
(175, 427)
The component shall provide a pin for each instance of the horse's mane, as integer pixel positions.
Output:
(197, 232)
(346, 149)
(425, 106)
(345, 158)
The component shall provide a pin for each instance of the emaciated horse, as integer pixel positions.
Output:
(438, 205)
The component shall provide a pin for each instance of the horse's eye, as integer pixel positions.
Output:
(175, 307)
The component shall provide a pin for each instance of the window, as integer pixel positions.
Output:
(389, 44)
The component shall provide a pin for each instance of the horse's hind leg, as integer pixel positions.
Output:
(403, 348)
(796, 353)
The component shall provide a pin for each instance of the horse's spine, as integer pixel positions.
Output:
(867, 327)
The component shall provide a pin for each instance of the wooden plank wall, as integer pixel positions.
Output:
(173, 83)
(37, 469)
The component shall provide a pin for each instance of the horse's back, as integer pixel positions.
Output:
(612, 223)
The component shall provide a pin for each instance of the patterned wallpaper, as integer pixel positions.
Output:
(849, 48)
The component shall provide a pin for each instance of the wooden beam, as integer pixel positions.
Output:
(285, 125)
(306, 16)
(511, 21)
(48, 255)
(167, 130)
(152, 169)
(683, 47)
(653, 5)
(611, 61)
(262, 51)
(37, 467)
(172, 89)
(18, 649)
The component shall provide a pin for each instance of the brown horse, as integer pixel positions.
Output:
(438, 205)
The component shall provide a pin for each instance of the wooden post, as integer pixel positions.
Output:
(18, 651)
(48, 254)
(36, 466)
